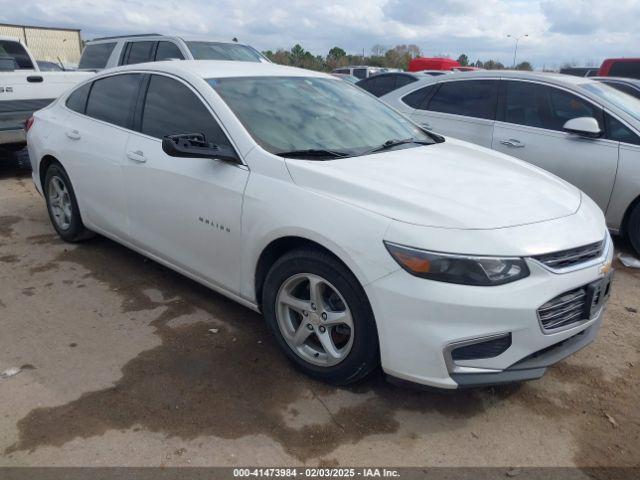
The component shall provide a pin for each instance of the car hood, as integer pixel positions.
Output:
(452, 184)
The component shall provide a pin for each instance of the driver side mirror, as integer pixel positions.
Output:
(584, 126)
(195, 145)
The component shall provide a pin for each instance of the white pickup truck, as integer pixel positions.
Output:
(25, 89)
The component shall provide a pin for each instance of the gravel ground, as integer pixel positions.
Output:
(119, 368)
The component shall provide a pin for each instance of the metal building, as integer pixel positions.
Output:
(48, 43)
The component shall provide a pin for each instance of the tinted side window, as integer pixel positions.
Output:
(139, 52)
(386, 83)
(417, 99)
(625, 69)
(171, 108)
(167, 50)
(112, 98)
(77, 101)
(402, 80)
(619, 132)
(472, 98)
(96, 56)
(16, 51)
(368, 84)
(546, 107)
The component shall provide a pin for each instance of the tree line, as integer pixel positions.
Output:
(380, 56)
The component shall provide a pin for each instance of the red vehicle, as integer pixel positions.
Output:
(620, 67)
(434, 63)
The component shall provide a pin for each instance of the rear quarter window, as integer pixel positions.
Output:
(96, 56)
(77, 101)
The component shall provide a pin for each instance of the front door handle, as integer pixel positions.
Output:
(137, 156)
(73, 134)
(513, 143)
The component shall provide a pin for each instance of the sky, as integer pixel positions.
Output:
(580, 32)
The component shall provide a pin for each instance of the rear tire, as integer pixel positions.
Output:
(62, 205)
(633, 228)
(330, 335)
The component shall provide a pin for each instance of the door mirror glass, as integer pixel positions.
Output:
(195, 145)
(585, 126)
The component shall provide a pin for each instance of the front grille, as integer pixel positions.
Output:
(565, 309)
(486, 349)
(573, 256)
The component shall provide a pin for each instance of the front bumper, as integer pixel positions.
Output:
(419, 321)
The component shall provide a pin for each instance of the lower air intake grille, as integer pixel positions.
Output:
(573, 256)
(488, 349)
(565, 309)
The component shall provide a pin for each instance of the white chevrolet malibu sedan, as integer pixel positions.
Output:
(363, 239)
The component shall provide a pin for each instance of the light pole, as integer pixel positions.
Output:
(515, 52)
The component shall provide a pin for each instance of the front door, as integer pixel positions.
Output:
(184, 210)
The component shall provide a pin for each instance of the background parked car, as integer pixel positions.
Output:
(359, 71)
(630, 86)
(107, 52)
(435, 63)
(582, 130)
(620, 67)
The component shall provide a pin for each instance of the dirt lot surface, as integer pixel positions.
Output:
(119, 368)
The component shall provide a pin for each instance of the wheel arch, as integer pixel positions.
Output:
(279, 247)
(625, 219)
(43, 166)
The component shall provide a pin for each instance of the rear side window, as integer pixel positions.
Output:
(17, 52)
(139, 52)
(344, 71)
(618, 131)
(96, 56)
(417, 99)
(77, 101)
(402, 80)
(625, 69)
(543, 106)
(471, 98)
(168, 50)
(170, 108)
(379, 85)
(112, 98)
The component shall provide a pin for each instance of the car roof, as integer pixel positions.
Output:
(633, 81)
(221, 68)
(550, 77)
(159, 36)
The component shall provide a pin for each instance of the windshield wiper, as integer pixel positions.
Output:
(313, 153)
(394, 143)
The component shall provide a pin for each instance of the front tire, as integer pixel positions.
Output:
(321, 317)
(62, 205)
(633, 228)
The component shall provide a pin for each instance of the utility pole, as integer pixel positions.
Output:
(515, 51)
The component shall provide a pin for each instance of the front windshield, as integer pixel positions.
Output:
(223, 51)
(285, 114)
(623, 101)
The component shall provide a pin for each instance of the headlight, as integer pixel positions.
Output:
(463, 269)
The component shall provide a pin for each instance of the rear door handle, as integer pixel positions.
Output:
(73, 134)
(513, 143)
(137, 156)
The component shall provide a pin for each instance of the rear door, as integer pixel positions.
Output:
(463, 109)
(93, 140)
(185, 210)
(530, 127)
